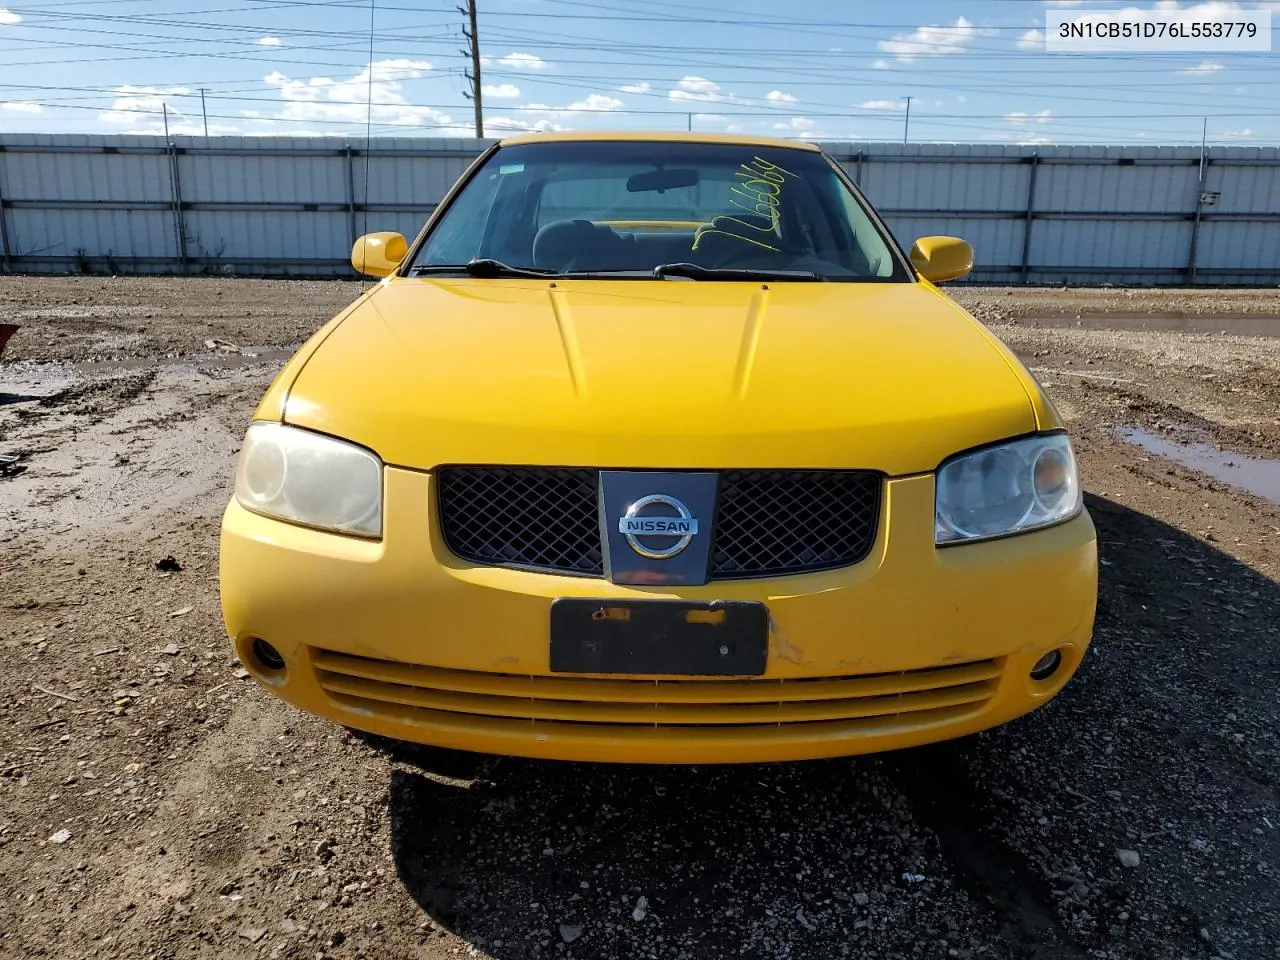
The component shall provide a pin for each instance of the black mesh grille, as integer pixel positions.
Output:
(789, 521)
(769, 522)
(526, 516)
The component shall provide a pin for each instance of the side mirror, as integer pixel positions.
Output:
(942, 258)
(378, 254)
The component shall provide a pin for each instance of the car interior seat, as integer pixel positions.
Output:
(577, 245)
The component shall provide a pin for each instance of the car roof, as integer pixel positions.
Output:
(652, 136)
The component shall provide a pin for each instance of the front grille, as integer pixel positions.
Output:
(769, 522)
(793, 521)
(874, 701)
(531, 517)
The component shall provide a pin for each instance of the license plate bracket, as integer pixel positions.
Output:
(672, 637)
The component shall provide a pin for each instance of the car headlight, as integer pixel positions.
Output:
(1010, 488)
(308, 478)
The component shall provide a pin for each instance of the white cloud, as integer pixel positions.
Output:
(377, 89)
(500, 91)
(882, 105)
(961, 98)
(707, 91)
(141, 110)
(777, 96)
(803, 128)
(1022, 139)
(592, 103)
(1031, 39)
(524, 61)
(269, 42)
(931, 40)
(7, 16)
(881, 65)
(1205, 69)
(1244, 134)
(513, 125)
(695, 88)
(1019, 118)
(21, 106)
(634, 87)
(596, 101)
(379, 83)
(710, 118)
(143, 105)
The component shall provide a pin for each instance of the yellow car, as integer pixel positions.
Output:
(658, 449)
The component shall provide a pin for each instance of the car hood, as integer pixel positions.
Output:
(671, 374)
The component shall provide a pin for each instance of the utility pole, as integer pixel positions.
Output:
(906, 123)
(165, 107)
(204, 113)
(474, 76)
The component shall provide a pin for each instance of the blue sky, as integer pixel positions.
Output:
(974, 70)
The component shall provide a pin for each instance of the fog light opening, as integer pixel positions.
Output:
(267, 656)
(1047, 665)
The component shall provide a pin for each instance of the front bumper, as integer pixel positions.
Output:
(914, 644)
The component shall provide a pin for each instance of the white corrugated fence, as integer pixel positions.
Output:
(284, 206)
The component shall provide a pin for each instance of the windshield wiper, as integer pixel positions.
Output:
(695, 272)
(484, 267)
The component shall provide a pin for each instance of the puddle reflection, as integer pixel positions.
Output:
(1256, 475)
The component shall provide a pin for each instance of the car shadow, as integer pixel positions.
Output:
(1002, 844)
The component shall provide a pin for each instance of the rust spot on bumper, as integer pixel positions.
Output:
(611, 613)
(714, 618)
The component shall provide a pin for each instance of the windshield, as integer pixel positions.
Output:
(628, 207)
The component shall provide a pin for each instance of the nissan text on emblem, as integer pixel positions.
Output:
(661, 519)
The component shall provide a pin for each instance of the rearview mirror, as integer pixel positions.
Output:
(378, 254)
(942, 258)
(662, 180)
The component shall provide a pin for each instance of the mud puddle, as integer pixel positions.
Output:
(1257, 475)
(1240, 326)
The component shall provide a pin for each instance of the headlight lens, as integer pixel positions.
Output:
(1010, 488)
(312, 479)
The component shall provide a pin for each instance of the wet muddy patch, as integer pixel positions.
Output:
(92, 400)
(1184, 445)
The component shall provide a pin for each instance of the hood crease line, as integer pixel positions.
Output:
(569, 341)
(751, 331)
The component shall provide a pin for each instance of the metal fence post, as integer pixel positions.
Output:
(857, 170)
(1029, 216)
(179, 221)
(6, 253)
(1193, 254)
(351, 192)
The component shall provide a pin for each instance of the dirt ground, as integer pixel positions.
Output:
(154, 802)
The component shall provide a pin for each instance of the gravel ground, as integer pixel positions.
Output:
(154, 802)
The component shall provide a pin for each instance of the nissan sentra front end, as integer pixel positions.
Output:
(524, 500)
